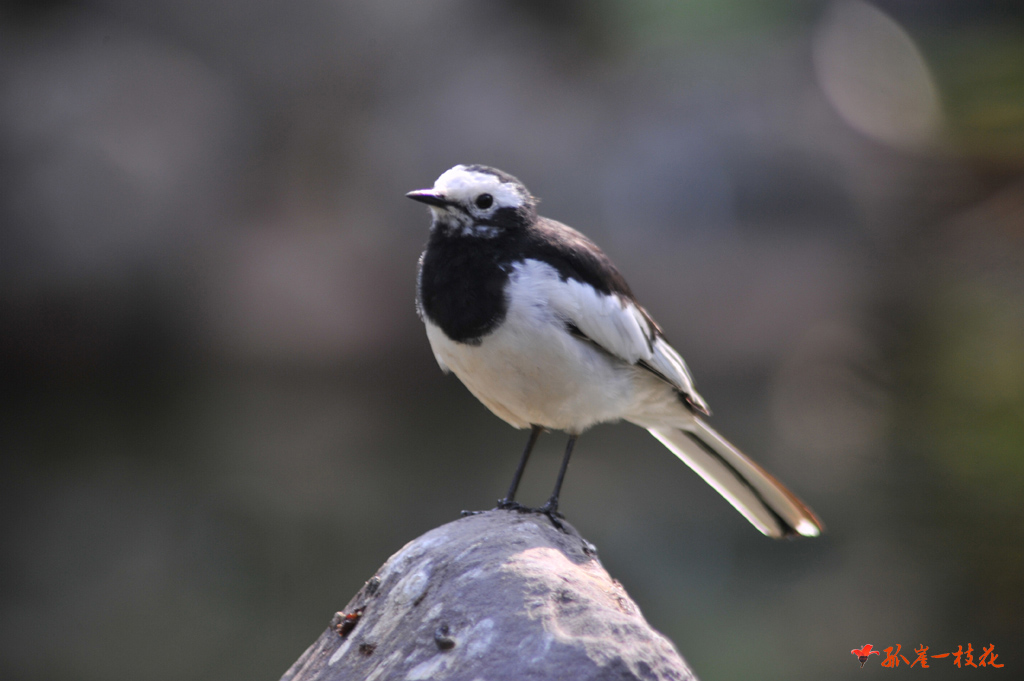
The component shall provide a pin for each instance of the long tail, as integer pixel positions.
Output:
(762, 499)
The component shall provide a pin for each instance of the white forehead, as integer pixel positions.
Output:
(464, 185)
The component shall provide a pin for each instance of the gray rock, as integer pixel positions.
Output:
(494, 596)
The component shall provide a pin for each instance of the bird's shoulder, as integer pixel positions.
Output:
(573, 255)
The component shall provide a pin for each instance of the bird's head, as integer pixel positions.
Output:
(475, 200)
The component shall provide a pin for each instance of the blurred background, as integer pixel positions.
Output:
(219, 413)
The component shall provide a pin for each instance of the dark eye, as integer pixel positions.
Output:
(484, 201)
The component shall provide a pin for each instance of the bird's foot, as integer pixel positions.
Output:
(550, 509)
(507, 505)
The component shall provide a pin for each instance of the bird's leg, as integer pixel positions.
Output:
(550, 509)
(509, 500)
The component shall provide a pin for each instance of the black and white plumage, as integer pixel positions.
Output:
(540, 326)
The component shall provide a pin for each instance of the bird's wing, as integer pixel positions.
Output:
(609, 320)
(597, 301)
(667, 364)
(625, 330)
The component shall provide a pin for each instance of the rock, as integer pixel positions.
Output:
(500, 595)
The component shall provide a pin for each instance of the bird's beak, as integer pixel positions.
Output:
(429, 197)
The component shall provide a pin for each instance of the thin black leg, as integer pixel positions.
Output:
(509, 499)
(551, 508)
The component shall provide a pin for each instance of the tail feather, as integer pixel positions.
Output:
(752, 491)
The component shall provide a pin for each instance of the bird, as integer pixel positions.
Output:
(540, 326)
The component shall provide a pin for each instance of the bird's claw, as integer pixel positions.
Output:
(506, 505)
(550, 509)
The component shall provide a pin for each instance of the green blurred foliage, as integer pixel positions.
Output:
(980, 73)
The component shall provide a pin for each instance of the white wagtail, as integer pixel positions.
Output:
(540, 326)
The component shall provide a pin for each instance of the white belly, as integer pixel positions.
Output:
(530, 371)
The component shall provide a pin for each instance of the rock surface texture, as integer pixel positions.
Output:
(496, 596)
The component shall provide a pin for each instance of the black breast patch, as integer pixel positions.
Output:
(462, 286)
